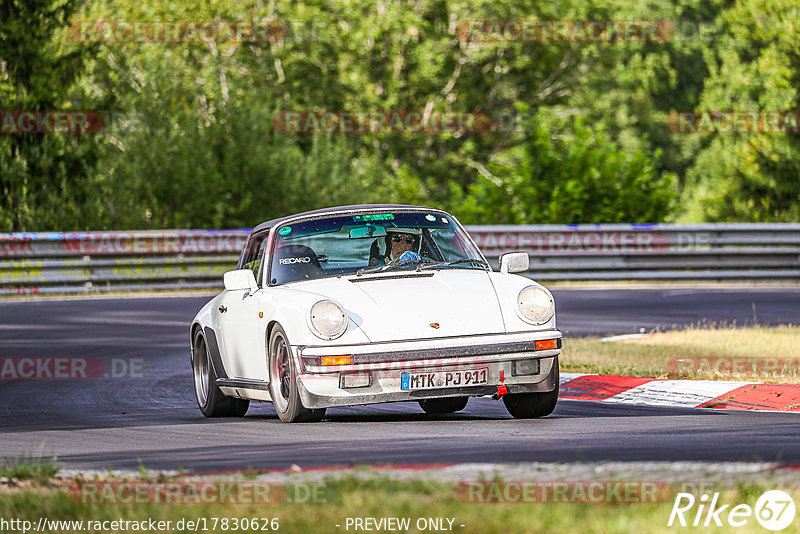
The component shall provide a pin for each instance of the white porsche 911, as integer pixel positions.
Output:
(375, 303)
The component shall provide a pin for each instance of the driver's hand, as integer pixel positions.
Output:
(408, 256)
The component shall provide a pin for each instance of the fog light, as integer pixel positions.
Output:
(525, 367)
(354, 380)
(545, 344)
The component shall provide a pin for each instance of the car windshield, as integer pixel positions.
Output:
(365, 243)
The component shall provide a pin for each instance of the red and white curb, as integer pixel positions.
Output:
(685, 393)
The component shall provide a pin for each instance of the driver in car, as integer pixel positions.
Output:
(400, 245)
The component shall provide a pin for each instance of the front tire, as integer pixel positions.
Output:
(533, 405)
(283, 382)
(211, 400)
(443, 406)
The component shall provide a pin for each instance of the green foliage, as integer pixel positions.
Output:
(578, 129)
(45, 179)
(29, 468)
(568, 171)
(228, 171)
(754, 67)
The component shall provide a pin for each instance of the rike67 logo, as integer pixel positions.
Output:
(774, 510)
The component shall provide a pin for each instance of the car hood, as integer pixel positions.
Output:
(428, 304)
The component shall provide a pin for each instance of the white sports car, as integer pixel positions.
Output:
(368, 304)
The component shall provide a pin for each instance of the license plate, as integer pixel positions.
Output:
(444, 379)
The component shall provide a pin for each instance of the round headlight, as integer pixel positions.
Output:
(328, 319)
(535, 305)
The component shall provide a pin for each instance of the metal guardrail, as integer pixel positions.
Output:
(76, 262)
(729, 251)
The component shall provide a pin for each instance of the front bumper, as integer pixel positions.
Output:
(320, 386)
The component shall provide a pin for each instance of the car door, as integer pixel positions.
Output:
(243, 347)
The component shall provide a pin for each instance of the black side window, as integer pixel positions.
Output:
(259, 268)
(254, 253)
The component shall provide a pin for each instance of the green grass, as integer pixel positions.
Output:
(657, 354)
(351, 497)
(29, 468)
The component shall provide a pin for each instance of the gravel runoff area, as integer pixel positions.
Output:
(722, 474)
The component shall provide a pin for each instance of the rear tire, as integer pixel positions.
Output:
(443, 406)
(283, 382)
(211, 400)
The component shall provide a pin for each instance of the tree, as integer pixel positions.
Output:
(750, 176)
(45, 179)
(567, 171)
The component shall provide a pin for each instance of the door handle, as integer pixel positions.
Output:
(223, 309)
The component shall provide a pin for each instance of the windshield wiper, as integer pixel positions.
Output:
(421, 265)
(390, 266)
(454, 262)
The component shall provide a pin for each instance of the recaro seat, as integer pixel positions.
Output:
(378, 250)
(294, 263)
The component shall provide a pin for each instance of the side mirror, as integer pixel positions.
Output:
(514, 262)
(239, 280)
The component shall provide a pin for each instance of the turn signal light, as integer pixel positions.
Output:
(337, 360)
(545, 344)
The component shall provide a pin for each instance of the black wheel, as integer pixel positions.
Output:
(446, 405)
(283, 382)
(210, 399)
(532, 405)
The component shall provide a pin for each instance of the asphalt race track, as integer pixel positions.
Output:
(148, 416)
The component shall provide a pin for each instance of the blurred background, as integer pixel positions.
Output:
(579, 130)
